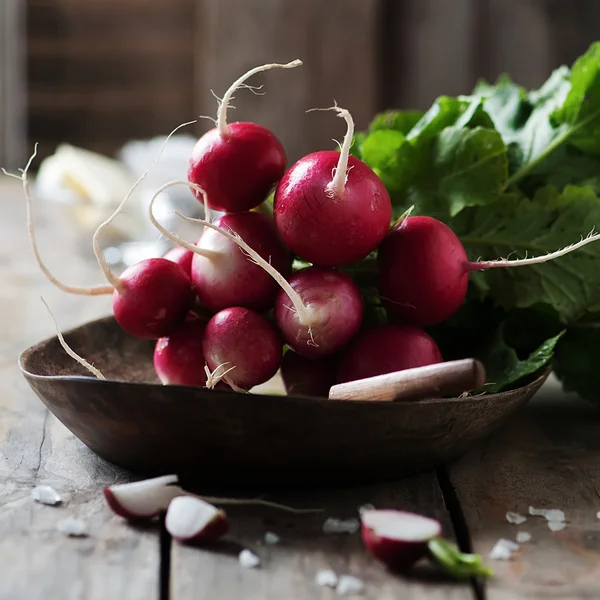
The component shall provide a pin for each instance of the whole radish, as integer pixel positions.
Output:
(386, 349)
(307, 376)
(178, 358)
(222, 273)
(424, 270)
(238, 164)
(181, 256)
(331, 208)
(335, 307)
(245, 343)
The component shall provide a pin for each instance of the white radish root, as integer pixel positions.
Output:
(224, 103)
(69, 350)
(301, 310)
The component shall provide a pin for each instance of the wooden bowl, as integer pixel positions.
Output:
(222, 437)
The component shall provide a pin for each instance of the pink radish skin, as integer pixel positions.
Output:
(335, 308)
(178, 358)
(386, 349)
(225, 277)
(397, 539)
(142, 500)
(308, 376)
(241, 338)
(332, 220)
(237, 164)
(181, 256)
(152, 297)
(194, 521)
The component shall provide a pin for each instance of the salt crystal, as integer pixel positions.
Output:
(598, 515)
(523, 537)
(515, 518)
(44, 494)
(347, 585)
(365, 507)
(556, 525)
(72, 527)
(332, 526)
(551, 514)
(271, 538)
(503, 549)
(326, 578)
(248, 559)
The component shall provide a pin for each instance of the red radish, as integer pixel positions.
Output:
(241, 338)
(386, 349)
(222, 273)
(335, 306)
(310, 323)
(424, 269)
(192, 520)
(332, 220)
(178, 358)
(142, 500)
(398, 539)
(238, 164)
(307, 376)
(181, 256)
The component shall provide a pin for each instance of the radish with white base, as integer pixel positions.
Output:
(194, 521)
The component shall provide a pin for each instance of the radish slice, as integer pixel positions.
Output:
(142, 499)
(398, 539)
(190, 519)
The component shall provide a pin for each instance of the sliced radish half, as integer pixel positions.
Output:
(141, 500)
(396, 538)
(192, 520)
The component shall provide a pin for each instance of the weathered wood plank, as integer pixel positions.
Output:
(39, 562)
(337, 41)
(288, 569)
(547, 457)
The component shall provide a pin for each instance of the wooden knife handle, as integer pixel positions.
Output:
(443, 379)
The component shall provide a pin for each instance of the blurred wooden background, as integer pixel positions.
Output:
(101, 72)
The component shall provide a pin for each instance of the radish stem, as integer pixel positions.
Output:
(110, 276)
(502, 262)
(69, 350)
(69, 289)
(222, 112)
(302, 311)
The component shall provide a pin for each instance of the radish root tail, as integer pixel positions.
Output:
(224, 103)
(69, 289)
(68, 349)
(110, 276)
(503, 262)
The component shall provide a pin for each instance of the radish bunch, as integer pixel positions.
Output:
(229, 309)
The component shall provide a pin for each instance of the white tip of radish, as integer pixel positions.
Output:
(349, 585)
(190, 519)
(142, 499)
(515, 518)
(44, 494)
(326, 578)
(271, 538)
(523, 537)
(333, 526)
(72, 527)
(401, 526)
(503, 549)
(248, 559)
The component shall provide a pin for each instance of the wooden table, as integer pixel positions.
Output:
(548, 456)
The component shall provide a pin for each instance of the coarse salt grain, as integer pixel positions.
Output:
(550, 514)
(326, 578)
(248, 559)
(556, 525)
(503, 549)
(598, 515)
(271, 538)
(523, 537)
(515, 518)
(347, 585)
(72, 527)
(44, 494)
(332, 526)
(365, 507)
